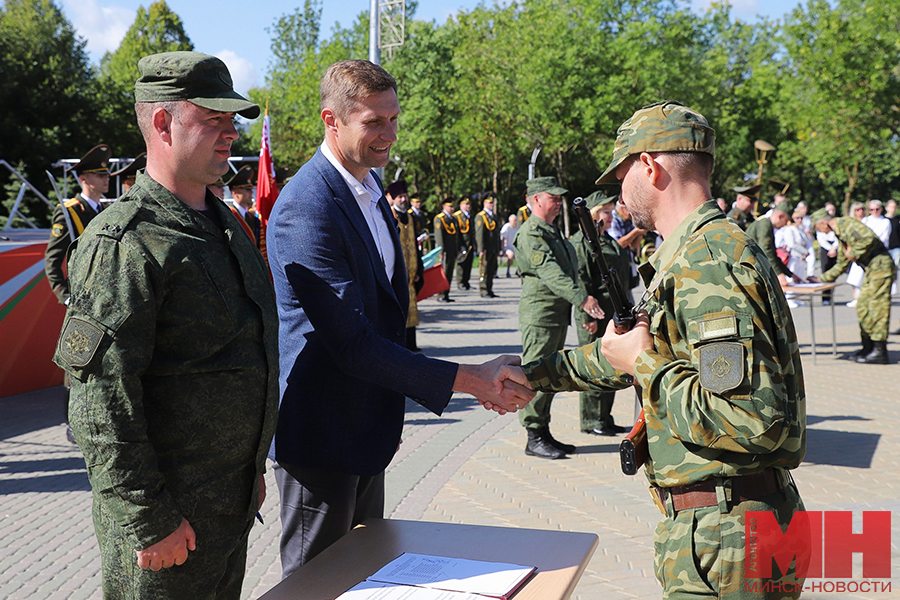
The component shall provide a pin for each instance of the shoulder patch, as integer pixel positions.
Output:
(57, 230)
(79, 342)
(721, 366)
(538, 257)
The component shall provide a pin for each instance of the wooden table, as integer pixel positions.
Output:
(560, 556)
(809, 292)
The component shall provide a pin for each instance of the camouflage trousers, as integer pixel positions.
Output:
(538, 342)
(873, 306)
(214, 571)
(700, 552)
(595, 407)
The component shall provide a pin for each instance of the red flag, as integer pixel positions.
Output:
(266, 191)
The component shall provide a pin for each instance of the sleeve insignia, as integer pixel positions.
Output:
(79, 341)
(57, 230)
(721, 366)
(538, 257)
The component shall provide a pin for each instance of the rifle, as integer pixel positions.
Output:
(633, 450)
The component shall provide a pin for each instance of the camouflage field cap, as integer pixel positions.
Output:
(599, 198)
(819, 215)
(130, 171)
(662, 127)
(95, 161)
(200, 79)
(751, 191)
(544, 184)
(784, 206)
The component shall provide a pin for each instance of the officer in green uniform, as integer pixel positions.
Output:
(465, 225)
(717, 360)
(446, 236)
(171, 341)
(596, 406)
(859, 244)
(93, 177)
(762, 231)
(550, 287)
(487, 237)
(742, 210)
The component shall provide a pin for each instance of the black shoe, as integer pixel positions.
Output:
(70, 435)
(610, 430)
(538, 445)
(878, 355)
(492, 295)
(508, 276)
(567, 448)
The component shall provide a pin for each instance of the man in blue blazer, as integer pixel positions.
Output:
(342, 298)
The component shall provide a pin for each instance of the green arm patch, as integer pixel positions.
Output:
(538, 258)
(79, 342)
(721, 366)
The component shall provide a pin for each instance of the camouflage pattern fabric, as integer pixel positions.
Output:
(723, 386)
(873, 306)
(171, 342)
(539, 341)
(596, 406)
(763, 233)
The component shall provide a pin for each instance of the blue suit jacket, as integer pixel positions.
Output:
(344, 370)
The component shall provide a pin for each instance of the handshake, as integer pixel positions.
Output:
(499, 385)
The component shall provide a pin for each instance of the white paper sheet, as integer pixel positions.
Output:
(375, 590)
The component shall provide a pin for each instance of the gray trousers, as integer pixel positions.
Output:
(320, 507)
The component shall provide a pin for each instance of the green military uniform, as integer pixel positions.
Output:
(79, 212)
(596, 405)
(487, 238)
(171, 342)
(762, 232)
(743, 218)
(548, 266)
(873, 306)
(722, 386)
(446, 236)
(465, 224)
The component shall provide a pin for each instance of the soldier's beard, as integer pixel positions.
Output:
(638, 205)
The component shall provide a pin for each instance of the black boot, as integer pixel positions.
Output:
(878, 355)
(567, 448)
(866, 347)
(539, 445)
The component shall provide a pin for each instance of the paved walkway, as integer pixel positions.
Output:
(468, 466)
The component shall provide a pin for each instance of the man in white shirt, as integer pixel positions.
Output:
(877, 222)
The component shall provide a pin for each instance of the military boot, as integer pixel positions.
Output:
(878, 355)
(539, 445)
(567, 448)
(865, 350)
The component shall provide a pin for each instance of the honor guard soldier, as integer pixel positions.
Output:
(70, 218)
(126, 175)
(523, 213)
(744, 205)
(420, 220)
(466, 255)
(487, 237)
(241, 186)
(860, 245)
(716, 356)
(596, 406)
(446, 236)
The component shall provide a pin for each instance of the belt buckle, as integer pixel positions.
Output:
(659, 498)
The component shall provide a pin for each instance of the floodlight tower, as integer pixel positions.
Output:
(387, 27)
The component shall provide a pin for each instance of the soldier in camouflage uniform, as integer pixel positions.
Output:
(742, 210)
(717, 359)
(596, 406)
(550, 287)
(860, 245)
(171, 341)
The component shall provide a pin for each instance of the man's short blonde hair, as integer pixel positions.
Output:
(349, 81)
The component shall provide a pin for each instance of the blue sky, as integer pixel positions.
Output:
(236, 31)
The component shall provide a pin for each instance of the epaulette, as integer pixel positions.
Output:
(71, 202)
(125, 214)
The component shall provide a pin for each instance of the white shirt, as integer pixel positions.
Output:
(96, 206)
(367, 196)
(881, 225)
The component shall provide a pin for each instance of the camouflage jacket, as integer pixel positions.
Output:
(171, 339)
(864, 247)
(723, 389)
(549, 269)
(763, 233)
(617, 258)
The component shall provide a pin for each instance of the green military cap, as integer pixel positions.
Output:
(751, 191)
(819, 215)
(544, 184)
(243, 178)
(95, 161)
(201, 79)
(132, 168)
(599, 198)
(283, 175)
(785, 206)
(662, 127)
